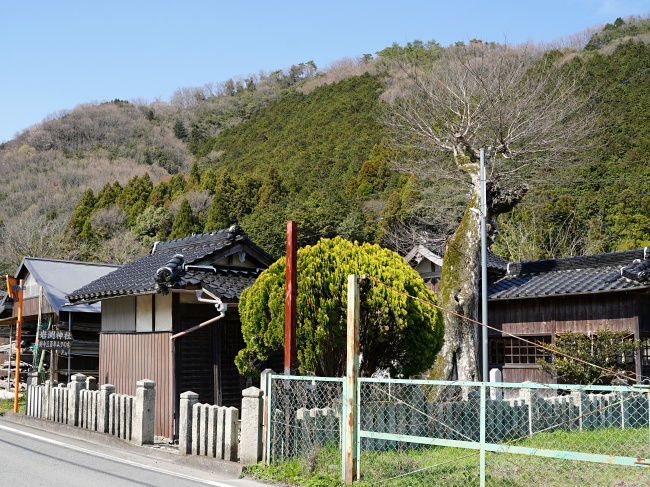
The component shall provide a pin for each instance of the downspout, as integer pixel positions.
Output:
(221, 307)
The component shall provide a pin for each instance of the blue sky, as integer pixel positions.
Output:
(57, 54)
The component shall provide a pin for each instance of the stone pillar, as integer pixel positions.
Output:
(78, 383)
(496, 393)
(144, 412)
(195, 434)
(221, 428)
(264, 379)
(91, 383)
(230, 437)
(32, 378)
(47, 407)
(103, 405)
(188, 400)
(32, 391)
(251, 426)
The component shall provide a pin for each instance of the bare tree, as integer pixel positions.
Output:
(527, 110)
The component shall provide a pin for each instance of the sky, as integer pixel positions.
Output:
(55, 55)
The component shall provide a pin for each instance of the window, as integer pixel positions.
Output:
(645, 352)
(506, 350)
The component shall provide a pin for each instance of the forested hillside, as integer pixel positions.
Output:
(103, 181)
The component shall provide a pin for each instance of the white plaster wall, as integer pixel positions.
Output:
(143, 313)
(163, 312)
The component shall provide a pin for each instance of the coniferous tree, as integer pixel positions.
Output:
(87, 234)
(194, 181)
(82, 211)
(184, 224)
(221, 213)
(271, 192)
(179, 130)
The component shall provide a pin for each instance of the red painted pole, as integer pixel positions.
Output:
(290, 355)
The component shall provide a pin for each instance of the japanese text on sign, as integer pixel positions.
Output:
(54, 339)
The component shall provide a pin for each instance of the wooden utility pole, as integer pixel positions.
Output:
(290, 355)
(350, 412)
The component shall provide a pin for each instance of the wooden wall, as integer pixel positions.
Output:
(30, 307)
(125, 358)
(548, 316)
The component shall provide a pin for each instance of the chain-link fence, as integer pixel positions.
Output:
(452, 433)
(465, 433)
(304, 422)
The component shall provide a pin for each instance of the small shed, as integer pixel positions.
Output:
(151, 311)
(540, 299)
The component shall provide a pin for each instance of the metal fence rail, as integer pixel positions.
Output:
(304, 422)
(465, 433)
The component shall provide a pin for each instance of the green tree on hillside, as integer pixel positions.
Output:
(82, 211)
(397, 334)
(184, 223)
(271, 191)
(180, 132)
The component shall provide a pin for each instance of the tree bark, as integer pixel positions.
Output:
(459, 282)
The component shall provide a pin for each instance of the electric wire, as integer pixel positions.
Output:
(609, 371)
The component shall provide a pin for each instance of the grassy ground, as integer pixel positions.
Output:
(430, 465)
(8, 405)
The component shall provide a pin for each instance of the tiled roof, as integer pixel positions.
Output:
(225, 282)
(496, 262)
(137, 277)
(596, 273)
(417, 252)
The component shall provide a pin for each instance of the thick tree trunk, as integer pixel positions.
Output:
(461, 270)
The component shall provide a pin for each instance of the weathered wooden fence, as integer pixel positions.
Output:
(81, 404)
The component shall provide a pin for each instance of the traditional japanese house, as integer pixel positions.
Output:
(151, 314)
(47, 281)
(540, 299)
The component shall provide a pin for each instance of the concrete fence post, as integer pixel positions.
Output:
(188, 400)
(496, 393)
(251, 426)
(230, 437)
(264, 378)
(103, 407)
(78, 383)
(32, 383)
(47, 410)
(144, 413)
(91, 383)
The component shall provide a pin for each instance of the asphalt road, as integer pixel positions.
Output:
(31, 458)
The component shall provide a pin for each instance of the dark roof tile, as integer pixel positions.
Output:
(575, 275)
(137, 277)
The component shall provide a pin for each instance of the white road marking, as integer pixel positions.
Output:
(114, 459)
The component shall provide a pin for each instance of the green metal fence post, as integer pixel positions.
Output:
(350, 435)
(269, 417)
(482, 438)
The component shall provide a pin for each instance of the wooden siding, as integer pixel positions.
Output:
(554, 315)
(126, 358)
(549, 316)
(30, 307)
